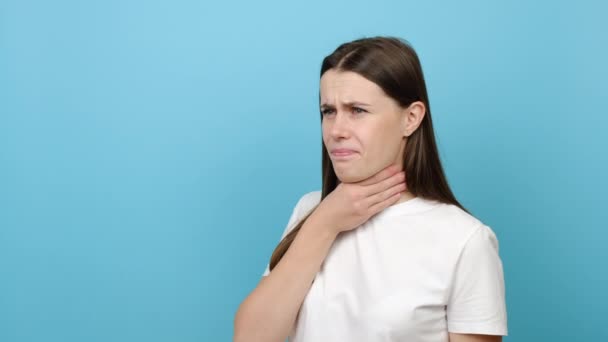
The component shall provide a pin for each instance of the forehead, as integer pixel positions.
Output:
(348, 86)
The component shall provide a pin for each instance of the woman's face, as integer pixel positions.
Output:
(359, 116)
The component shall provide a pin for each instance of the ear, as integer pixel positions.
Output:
(412, 117)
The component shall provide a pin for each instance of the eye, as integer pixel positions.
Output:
(326, 111)
(359, 110)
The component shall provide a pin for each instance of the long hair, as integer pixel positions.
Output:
(393, 65)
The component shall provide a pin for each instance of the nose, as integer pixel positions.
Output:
(340, 126)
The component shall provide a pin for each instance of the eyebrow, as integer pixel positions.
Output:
(349, 104)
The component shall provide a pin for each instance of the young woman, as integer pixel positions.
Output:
(384, 252)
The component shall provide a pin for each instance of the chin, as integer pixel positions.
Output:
(350, 177)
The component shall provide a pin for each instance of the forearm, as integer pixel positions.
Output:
(269, 312)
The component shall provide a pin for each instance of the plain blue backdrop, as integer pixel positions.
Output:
(151, 153)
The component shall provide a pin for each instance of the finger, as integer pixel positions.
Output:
(383, 174)
(376, 208)
(384, 195)
(373, 189)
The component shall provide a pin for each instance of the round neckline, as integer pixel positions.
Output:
(411, 206)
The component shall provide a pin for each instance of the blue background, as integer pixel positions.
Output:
(151, 153)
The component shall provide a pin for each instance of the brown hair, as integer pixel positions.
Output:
(394, 66)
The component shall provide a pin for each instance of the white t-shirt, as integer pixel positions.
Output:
(413, 272)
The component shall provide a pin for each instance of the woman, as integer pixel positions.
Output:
(384, 252)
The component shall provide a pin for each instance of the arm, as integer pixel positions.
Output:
(269, 312)
(476, 310)
(474, 338)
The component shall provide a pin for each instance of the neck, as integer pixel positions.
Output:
(405, 196)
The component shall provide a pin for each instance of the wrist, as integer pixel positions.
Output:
(320, 227)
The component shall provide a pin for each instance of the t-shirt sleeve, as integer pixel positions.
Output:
(477, 301)
(290, 225)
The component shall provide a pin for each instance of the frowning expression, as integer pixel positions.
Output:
(363, 128)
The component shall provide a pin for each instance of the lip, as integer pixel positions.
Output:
(343, 153)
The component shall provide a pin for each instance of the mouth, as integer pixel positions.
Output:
(343, 154)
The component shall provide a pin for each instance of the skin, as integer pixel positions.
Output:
(358, 115)
(377, 127)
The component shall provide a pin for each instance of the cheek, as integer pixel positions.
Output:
(382, 141)
(324, 135)
(323, 132)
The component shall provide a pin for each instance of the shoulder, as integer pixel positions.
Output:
(308, 201)
(461, 226)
